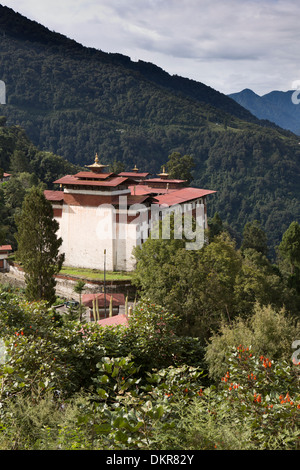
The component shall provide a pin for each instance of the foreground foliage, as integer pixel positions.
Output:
(218, 282)
(70, 386)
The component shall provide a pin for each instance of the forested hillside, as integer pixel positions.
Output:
(74, 101)
(28, 167)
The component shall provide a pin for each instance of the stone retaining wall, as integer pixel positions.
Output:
(65, 284)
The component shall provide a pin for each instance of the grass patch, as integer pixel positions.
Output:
(95, 274)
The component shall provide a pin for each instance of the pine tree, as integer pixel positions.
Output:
(254, 237)
(289, 247)
(38, 246)
(180, 167)
(79, 288)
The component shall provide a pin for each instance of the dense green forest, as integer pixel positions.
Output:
(28, 167)
(74, 101)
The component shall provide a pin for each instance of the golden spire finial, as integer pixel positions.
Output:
(96, 166)
(163, 173)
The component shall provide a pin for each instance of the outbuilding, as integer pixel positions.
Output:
(5, 250)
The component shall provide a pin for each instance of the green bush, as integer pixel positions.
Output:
(268, 331)
(73, 387)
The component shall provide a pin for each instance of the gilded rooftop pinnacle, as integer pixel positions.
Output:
(96, 166)
(163, 174)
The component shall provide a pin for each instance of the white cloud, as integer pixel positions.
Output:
(229, 45)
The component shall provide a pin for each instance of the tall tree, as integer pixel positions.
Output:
(254, 237)
(290, 245)
(78, 289)
(196, 285)
(38, 246)
(215, 226)
(289, 249)
(180, 167)
(3, 218)
(117, 166)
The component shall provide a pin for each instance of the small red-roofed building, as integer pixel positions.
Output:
(4, 177)
(116, 320)
(104, 301)
(5, 251)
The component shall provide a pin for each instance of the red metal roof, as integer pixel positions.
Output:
(72, 180)
(140, 193)
(92, 175)
(180, 196)
(132, 199)
(144, 189)
(166, 180)
(133, 174)
(140, 189)
(118, 299)
(54, 195)
(170, 196)
(120, 319)
(5, 248)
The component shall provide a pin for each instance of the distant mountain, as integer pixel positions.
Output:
(276, 106)
(75, 101)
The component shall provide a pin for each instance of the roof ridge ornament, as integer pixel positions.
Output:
(163, 174)
(96, 166)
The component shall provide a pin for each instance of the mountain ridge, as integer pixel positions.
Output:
(75, 101)
(276, 106)
(19, 27)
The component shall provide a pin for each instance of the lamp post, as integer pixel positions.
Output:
(104, 284)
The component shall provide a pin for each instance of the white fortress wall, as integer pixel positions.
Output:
(87, 232)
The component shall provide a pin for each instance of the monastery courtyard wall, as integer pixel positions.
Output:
(65, 284)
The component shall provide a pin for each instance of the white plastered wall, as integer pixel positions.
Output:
(87, 231)
(3, 257)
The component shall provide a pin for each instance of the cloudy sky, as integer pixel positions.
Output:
(226, 44)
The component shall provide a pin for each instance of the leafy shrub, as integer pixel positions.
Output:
(269, 332)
